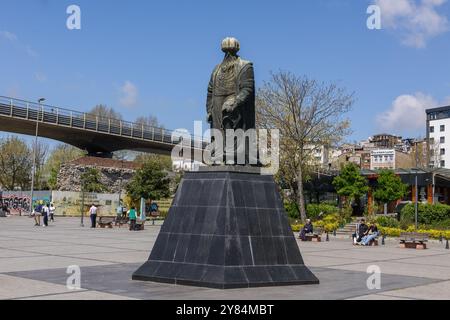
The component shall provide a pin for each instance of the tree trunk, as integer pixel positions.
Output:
(301, 198)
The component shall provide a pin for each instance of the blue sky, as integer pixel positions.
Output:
(155, 57)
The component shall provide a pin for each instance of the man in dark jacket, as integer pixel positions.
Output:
(361, 232)
(308, 228)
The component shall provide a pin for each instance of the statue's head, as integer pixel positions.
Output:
(230, 45)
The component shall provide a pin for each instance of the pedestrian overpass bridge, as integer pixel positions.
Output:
(99, 136)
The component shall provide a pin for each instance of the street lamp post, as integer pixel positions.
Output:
(34, 153)
(416, 203)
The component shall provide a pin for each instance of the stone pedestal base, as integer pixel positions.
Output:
(226, 229)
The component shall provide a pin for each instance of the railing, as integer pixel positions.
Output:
(27, 110)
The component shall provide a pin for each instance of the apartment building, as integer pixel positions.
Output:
(438, 137)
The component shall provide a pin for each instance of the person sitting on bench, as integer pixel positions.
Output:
(371, 234)
(308, 228)
(361, 231)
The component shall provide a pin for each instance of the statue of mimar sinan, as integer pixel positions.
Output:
(231, 91)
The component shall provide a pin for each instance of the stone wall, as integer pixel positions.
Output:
(115, 174)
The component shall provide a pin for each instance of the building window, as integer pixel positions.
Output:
(432, 141)
(442, 152)
(431, 164)
(442, 163)
(442, 128)
(442, 140)
(432, 152)
(432, 129)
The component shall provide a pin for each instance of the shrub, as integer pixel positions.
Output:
(292, 209)
(329, 223)
(387, 222)
(395, 232)
(313, 210)
(427, 213)
(441, 225)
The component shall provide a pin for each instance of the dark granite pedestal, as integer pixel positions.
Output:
(226, 229)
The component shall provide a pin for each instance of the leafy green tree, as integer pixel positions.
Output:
(90, 181)
(149, 182)
(350, 183)
(389, 188)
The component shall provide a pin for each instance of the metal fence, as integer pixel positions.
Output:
(27, 110)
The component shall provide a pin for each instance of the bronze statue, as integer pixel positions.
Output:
(231, 91)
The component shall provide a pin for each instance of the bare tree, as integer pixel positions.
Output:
(104, 114)
(15, 163)
(309, 115)
(40, 150)
(150, 121)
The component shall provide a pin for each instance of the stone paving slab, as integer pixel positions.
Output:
(44, 262)
(82, 295)
(378, 297)
(435, 291)
(400, 268)
(335, 284)
(17, 287)
(38, 257)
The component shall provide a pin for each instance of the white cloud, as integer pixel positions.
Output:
(447, 101)
(416, 21)
(129, 94)
(407, 113)
(8, 35)
(40, 77)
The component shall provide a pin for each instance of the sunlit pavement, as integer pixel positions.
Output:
(34, 262)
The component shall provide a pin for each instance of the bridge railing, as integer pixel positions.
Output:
(64, 117)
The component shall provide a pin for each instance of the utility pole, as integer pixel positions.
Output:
(33, 173)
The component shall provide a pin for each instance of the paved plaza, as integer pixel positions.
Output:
(34, 261)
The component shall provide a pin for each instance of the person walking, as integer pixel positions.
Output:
(52, 212)
(132, 217)
(37, 213)
(93, 214)
(45, 214)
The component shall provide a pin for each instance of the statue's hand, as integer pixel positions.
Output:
(229, 105)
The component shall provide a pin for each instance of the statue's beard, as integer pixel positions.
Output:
(228, 62)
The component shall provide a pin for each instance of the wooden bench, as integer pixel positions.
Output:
(139, 225)
(414, 240)
(154, 215)
(121, 221)
(104, 222)
(316, 236)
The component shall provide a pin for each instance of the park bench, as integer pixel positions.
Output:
(104, 222)
(154, 215)
(413, 240)
(122, 220)
(316, 236)
(139, 225)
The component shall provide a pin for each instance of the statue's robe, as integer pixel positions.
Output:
(238, 86)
